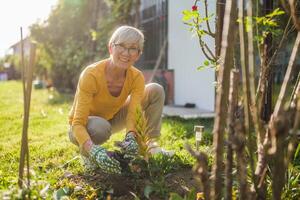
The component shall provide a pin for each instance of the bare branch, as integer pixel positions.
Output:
(295, 92)
(294, 14)
(283, 91)
(210, 52)
(245, 82)
(255, 115)
(201, 170)
(279, 128)
(285, 6)
(239, 147)
(296, 124)
(284, 36)
(207, 23)
(208, 33)
(203, 49)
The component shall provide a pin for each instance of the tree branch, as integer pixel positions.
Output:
(226, 64)
(201, 170)
(207, 23)
(283, 91)
(202, 44)
(294, 14)
(284, 36)
(245, 84)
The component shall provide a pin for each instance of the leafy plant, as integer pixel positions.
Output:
(292, 187)
(142, 138)
(199, 25)
(192, 195)
(265, 25)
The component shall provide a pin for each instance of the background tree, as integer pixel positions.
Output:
(76, 34)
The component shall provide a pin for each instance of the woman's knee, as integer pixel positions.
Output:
(99, 129)
(155, 90)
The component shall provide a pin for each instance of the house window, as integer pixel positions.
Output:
(154, 25)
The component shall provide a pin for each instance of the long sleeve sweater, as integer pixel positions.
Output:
(93, 98)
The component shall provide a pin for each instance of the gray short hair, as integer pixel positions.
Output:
(128, 34)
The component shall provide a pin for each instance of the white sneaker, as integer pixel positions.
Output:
(155, 149)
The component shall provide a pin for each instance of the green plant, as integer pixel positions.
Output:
(192, 195)
(267, 24)
(199, 24)
(48, 134)
(142, 137)
(292, 187)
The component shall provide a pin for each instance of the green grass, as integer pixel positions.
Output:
(49, 146)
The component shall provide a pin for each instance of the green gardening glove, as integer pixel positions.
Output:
(106, 163)
(129, 146)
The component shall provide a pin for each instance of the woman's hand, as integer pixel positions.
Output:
(129, 146)
(100, 157)
(106, 163)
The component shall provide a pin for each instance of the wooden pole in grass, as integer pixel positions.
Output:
(27, 77)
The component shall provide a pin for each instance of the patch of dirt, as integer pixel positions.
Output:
(180, 182)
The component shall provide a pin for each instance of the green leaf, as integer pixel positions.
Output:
(187, 15)
(272, 23)
(201, 32)
(191, 195)
(259, 19)
(206, 63)
(148, 190)
(93, 35)
(60, 193)
(297, 151)
(201, 68)
(175, 196)
(275, 12)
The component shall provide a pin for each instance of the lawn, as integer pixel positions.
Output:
(54, 162)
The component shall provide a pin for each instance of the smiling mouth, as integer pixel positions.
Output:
(124, 60)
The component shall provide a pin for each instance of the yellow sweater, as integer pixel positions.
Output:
(93, 98)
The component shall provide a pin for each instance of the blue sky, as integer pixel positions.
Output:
(17, 13)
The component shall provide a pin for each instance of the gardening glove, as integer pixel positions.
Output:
(129, 146)
(106, 163)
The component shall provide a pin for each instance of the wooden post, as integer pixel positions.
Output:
(27, 77)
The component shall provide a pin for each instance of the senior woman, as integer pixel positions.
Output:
(106, 99)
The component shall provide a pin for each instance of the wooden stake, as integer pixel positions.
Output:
(27, 77)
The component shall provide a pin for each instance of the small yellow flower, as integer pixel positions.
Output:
(200, 196)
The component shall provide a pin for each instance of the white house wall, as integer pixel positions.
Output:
(185, 55)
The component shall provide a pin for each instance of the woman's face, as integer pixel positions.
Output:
(124, 54)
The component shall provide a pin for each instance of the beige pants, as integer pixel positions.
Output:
(100, 129)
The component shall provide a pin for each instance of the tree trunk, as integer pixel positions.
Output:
(220, 5)
(226, 63)
(137, 17)
(233, 96)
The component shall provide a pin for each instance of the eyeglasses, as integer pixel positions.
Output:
(132, 51)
